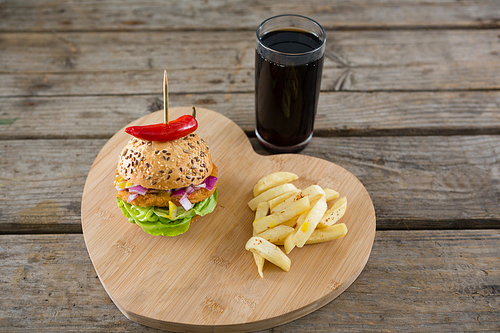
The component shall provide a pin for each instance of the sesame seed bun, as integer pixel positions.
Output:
(165, 165)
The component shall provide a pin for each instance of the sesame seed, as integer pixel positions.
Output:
(168, 177)
(164, 151)
(180, 169)
(178, 179)
(170, 171)
(161, 171)
(147, 165)
(157, 151)
(148, 177)
(154, 182)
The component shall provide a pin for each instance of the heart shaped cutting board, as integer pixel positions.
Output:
(205, 280)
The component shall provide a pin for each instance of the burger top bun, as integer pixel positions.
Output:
(165, 165)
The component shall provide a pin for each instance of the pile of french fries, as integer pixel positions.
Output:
(288, 216)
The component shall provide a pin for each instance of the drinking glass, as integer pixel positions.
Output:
(289, 57)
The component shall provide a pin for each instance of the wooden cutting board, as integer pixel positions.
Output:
(205, 280)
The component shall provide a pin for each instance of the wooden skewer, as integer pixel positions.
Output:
(165, 98)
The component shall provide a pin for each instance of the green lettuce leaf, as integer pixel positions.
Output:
(153, 220)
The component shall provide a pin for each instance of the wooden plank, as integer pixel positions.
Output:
(414, 182)
(427, 77)
(217, 15)
(341, 113)
(128, 63)
(438, 281)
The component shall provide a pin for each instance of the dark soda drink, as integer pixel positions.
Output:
(288, 72)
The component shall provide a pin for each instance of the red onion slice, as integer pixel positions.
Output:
(179, 191)
(210, 182)
(131, 197)
(138, 189)
(199, 186)
(185, 203)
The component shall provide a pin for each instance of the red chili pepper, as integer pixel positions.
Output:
(175, 129)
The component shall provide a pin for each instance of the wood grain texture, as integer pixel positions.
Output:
(217, 15)
(339, 114)
(440, 281)
(417, 77)
(414, 182)
(125, 62)
(185, 277)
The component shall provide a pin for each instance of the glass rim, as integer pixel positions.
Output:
(323, 40)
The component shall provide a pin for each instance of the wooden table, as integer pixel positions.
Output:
(410, 104)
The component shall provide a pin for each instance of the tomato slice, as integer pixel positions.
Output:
(175, 129)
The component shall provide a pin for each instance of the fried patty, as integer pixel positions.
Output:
(161, 198)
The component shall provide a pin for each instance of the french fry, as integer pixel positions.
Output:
(291, 210)
(289, 243)
(291, 222)
(330, 194)
(279, 199)
(327, 234)
(314, 192)
(269, 252)
(262, 210)
(310, 223)
(334, 214)
(273, 180)
(259, 261)
(270, 194)
(276, 234)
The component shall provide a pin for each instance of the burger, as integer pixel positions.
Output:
(163, 186)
